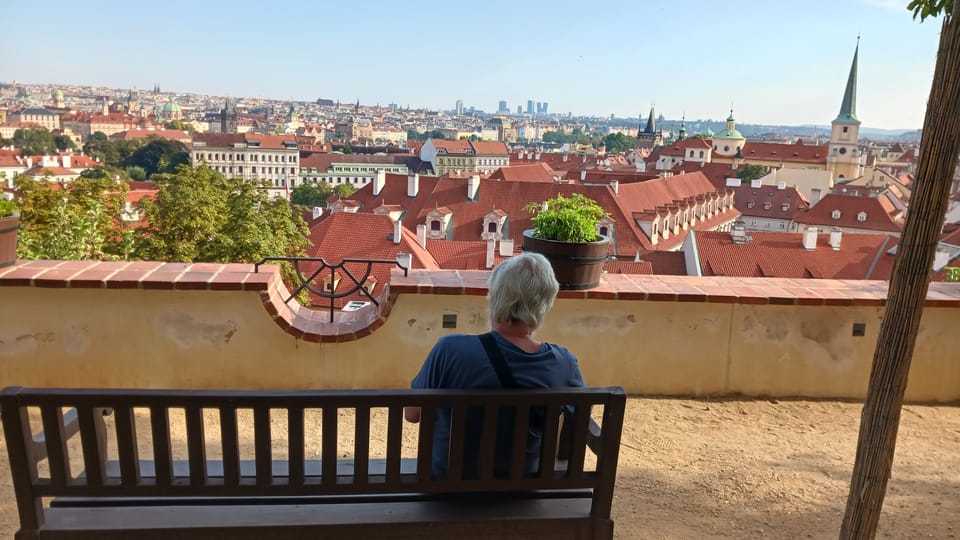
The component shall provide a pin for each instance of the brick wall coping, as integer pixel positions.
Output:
(314, 325)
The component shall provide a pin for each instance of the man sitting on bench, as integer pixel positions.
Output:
(521, 291)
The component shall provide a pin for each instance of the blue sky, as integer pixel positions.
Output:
(778, 62)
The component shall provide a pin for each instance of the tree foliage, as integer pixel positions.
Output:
(200, 216)
(158, 156)
(35, 141)
(751, 172)
(311, 194)
(619, 142)
(79, 220)
(344, 190)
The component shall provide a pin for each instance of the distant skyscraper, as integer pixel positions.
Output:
(503, 107)
(519, 109)
(545, 105)
(459, 107)
(529, 106)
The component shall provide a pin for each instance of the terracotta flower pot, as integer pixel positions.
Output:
(578, 266)
(9, 231)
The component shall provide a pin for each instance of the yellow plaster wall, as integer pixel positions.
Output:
(212, 339)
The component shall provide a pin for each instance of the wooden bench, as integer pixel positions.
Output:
(236, 464)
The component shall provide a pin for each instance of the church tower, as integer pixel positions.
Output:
(843, 157)
(649, 136)
(228, 117)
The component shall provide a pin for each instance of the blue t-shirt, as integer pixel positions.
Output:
(460, 361)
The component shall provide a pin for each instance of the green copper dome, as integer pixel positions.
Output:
(728, 134)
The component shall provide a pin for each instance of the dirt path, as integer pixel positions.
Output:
(756, 469)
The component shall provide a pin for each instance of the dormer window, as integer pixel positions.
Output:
(861, 217)
(767, 206)
(785, 207)
(435, 225)
(835, 214)
(491, 227)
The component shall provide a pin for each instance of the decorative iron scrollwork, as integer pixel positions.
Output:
(331, 292)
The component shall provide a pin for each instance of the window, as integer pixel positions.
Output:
(492, 227)
(861, 217)
(845, 129)
(435, 226)
(726, 148)
(785, 207)
(835, 214)
(701, 153)
(766, 206)
(604, 231)
(751, 204)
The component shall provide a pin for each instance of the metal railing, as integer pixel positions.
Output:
(331, 292)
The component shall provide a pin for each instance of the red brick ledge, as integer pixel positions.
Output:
(726, 290)
(299, 321)
(314, 324)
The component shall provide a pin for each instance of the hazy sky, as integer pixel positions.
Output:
(778, 62)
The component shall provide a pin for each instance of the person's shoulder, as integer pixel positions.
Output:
(457, 341)
(560, 349)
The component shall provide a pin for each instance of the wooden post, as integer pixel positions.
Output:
(908, 289)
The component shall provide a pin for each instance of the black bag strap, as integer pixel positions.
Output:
(496, 358)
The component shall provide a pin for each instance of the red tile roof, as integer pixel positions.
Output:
(769, 202)
(511, 197)
(881, 215)
(788, 153)
(482, 148)
(225, 140)
(344, 235)
(172, 134)
(717, 173)
(536, 172)
(679, 148)
(781, 255)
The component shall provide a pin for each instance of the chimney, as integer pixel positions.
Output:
(413, 185)
(379, 182)
(317, 212)
(30, 162)
(491, 249)
(835, 236)
(422, 235)
(66, 161)
(537, 156)
(738, 235)
(615, 186)
(506, 248)
(473, 186)
(755, 183)
(397, 231)
(583, 175)
(565, 157)
(810, 239)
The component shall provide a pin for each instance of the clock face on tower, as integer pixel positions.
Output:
(843, 151)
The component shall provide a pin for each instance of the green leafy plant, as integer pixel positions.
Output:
(566, 219)
(7, 208)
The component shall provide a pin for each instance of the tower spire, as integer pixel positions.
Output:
(848, 108)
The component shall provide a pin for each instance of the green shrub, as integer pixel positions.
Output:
(7, 208)
(566, 219)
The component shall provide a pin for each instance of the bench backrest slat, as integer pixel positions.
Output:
(361, 445)
(581, 421)
(262, 445)
(295, 445)
(394, 439)
(519, 455)
(458, 425)
(92, 437)
(196, 449)
(488, 443)
(53, 433)
(230, 446)
(550, 433)
(328, 440)
(127, 450)
(162, 454)
(425, 450)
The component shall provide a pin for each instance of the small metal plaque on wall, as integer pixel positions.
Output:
(450, 320)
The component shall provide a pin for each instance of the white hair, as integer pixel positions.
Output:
(522, 290)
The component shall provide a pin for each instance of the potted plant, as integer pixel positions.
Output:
(566, 234)
(9, 230)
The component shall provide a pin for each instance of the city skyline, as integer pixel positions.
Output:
(782, 64)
